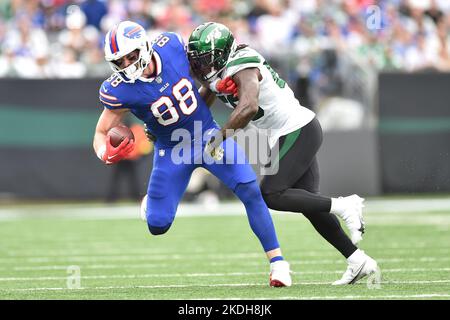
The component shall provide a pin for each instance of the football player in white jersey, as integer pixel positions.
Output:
(265, 100)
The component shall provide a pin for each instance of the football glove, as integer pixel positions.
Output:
(150, 136)
(213, 147)
(224, 86)
(113, 154)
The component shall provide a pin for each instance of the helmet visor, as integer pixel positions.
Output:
(206, 65)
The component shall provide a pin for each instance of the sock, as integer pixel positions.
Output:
(277, 258)
(338, 206)
(356, 257)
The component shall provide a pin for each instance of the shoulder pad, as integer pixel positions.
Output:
(177, 36)
(243, 56)
(171, 39)
(243, 59)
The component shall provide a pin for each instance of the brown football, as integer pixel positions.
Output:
(118, 134)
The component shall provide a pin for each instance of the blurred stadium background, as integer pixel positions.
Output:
(377, 73)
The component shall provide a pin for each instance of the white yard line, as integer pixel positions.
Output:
(13, 255)
(217, 285)
(155, 265)
(411, 207)
(151, 257)
(220, 274)
(148, 257)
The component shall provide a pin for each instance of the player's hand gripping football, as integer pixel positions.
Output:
(225, 86)
(115, 154)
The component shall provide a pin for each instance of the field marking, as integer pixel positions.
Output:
(22, 254)
(14, 255)
(149, 256)
(171, 286)
(194, 256)
(206, 274)
(101, 211)
(215, 263)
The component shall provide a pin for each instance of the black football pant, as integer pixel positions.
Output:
(295, 187)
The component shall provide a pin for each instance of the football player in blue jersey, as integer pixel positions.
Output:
(153, 82)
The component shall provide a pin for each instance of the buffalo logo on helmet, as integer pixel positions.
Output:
(132, 32)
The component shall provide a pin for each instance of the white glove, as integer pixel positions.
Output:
(213, 147)
(215, 152)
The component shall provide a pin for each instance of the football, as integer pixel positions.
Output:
(118, 134)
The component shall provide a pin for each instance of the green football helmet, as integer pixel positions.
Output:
(209, 47)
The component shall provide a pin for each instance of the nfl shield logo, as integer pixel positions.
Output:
(162, 152)
(158, 80)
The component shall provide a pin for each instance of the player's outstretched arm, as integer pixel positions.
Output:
(109, 119)
(207, 95)
(247, 81)
(224, 86)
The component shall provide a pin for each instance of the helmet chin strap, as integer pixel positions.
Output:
(132, 72)
(213, 75)
(153, 74)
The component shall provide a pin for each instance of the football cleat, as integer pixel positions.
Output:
(358, 270)
(353, 217)
(144, 208)
(280, 274)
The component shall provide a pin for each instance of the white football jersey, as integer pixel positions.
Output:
(279, 113)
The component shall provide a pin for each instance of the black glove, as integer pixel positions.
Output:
(149, 135)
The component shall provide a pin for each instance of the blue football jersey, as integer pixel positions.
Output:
(167, 102)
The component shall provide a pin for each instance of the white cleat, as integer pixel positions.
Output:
(144, 208)
(352, 216)
(358, 270)
(280, 274)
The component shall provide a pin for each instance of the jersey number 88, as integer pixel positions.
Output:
(164, 105)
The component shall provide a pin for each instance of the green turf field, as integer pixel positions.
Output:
(213, 256)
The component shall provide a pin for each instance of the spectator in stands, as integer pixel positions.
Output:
(94, 11)
(73, 36)
(26, 48)
(410, 35)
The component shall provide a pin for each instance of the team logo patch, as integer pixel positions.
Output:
(215, 34)
(132, 32)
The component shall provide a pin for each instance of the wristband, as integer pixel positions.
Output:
(101, 152)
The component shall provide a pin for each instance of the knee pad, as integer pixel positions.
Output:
(158, 230)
